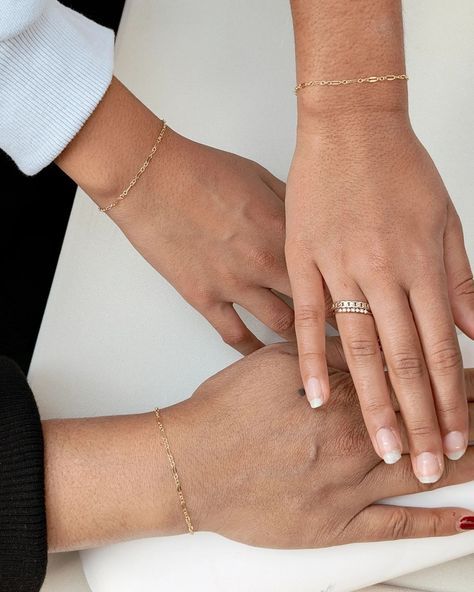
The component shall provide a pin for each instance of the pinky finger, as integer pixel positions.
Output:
(388, 523)
(224, 318)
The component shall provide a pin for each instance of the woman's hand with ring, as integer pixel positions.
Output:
(368, 215)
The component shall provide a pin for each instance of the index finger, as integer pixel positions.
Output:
(310, 326)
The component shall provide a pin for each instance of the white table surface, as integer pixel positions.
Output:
(65, 574)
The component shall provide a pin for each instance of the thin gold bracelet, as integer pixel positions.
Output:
(174, 471)
(140, 172)
(345, 81)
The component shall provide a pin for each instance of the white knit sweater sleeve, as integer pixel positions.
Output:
(55, 66)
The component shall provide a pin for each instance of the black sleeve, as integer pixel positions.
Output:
(23, 535)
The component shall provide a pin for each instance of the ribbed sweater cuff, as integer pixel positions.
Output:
(23, 538)
(52, 76)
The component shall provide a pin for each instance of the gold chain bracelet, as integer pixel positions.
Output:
(174, 471)
(344, 81)
(140, 172)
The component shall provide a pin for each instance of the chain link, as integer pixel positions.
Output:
(345, 81)
(140, 172)
(174, 471)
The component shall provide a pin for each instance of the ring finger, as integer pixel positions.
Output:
(364, 358)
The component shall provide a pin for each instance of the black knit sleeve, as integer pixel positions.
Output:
(23, 539)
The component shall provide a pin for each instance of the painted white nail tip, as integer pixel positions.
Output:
(390, 458)
(315, 403)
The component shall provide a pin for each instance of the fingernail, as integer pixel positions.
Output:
(428, 467)
(314, 392)
(454, 445)
(466, 523)
(388, 446)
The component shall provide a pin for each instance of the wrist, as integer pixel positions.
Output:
(190, 442)
(111, 146)
(355, 102)
(353, 128)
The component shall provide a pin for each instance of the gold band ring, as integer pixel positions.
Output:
(356, 306)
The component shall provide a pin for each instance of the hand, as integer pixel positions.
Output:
(258, 466)
(210, 222)
(368, 214)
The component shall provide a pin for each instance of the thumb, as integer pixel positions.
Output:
(389, 523)
(459, 275)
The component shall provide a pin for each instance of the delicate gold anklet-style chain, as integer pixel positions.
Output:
(345, 81)
(140, 172)
(174, 471)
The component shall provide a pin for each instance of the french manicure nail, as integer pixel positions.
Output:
(428, 467)
(314, 392)
(388, 446)
(466, 523)
(454, 445)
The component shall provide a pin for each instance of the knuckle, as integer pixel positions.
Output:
(380, 264)
(284, 322)
(445, 357)
(200, 295)
(464, 287)
(362, 351)
(309, 316)
(306, 357)
(434, 524)
(236, 337)
(400, 524)
(262, 259)
(419, 429)
(407, 366)
(450, 407)
(284, 349)
(375, 407)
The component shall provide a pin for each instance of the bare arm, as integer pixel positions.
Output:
(337, 40)
(108, 479)
(196, 214)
